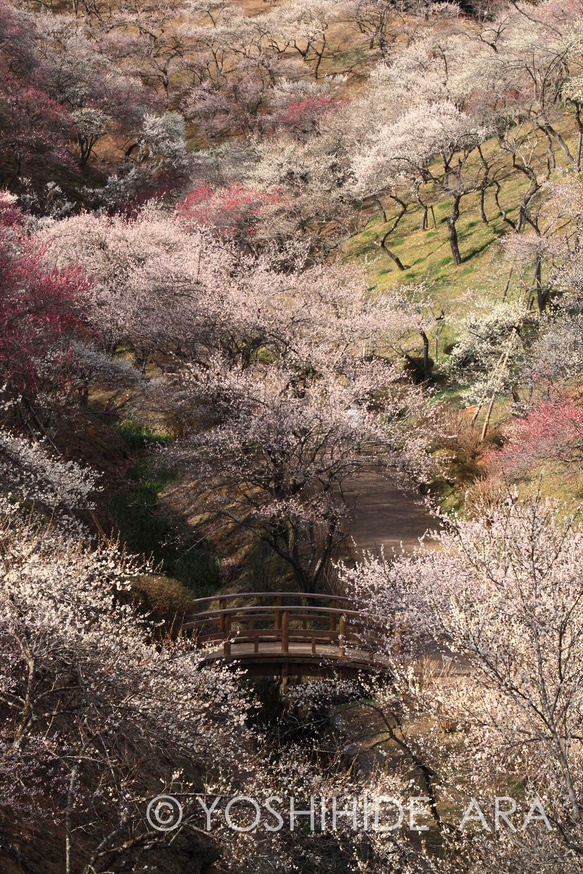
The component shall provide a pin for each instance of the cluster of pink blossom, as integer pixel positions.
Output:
(552, 431)
(231, 212)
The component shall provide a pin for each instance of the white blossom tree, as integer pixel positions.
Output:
(501, 594)
(96, 719)
(283, 440)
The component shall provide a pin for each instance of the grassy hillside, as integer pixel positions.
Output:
(488, 275)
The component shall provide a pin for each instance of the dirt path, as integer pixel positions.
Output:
(384, 515)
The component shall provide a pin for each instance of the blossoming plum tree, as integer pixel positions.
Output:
(97, 720)
(41, 310)
(287, 440)
(502, 591)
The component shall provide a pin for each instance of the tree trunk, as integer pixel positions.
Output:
(542, 293)
(451, 225)
(483, 206)
(500, 367)
(580, 136)
(396, 220)
(426, 364)
(379, 203)
(550, 130)
(391, 254)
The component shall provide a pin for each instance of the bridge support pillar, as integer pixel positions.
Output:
(284, 678)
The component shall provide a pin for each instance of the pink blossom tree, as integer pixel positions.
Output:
(33, 123)
(232, 212)
(163, 288)
(550, 432)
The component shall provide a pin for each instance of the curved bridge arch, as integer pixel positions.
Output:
(285, 633)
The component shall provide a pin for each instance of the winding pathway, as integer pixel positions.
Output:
(385, 515)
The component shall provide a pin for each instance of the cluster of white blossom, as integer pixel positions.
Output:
(31, 472)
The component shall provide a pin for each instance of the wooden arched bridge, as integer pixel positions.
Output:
(283, 633)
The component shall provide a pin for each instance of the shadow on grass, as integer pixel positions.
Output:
(146, 528)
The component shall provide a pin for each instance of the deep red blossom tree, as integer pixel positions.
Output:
(33, 126)
(41, 310)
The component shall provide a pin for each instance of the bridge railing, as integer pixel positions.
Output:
(316, 625)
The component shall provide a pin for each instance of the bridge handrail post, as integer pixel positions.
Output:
(332, 617)
(285, 631)
(227, 629)
(342, 636)
(277, 614)
(222, 617)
